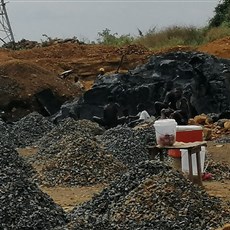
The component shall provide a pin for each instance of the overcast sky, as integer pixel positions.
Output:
(30, 19)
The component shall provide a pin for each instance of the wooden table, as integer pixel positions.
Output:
(192, 147)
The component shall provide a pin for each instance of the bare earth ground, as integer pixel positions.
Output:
(219, 153)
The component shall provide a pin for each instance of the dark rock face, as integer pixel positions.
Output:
(205, 80)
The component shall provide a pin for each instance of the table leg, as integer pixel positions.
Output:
(198, 163)
(190, 165)
(161, 155)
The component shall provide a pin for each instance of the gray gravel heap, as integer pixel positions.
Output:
(150, 196)
(22, 204)
(30, 129)
(219, 170)
(129, 145)
(222, 139)
(6, 135)
(71, 156)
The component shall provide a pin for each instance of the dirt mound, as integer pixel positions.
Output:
(219, 48)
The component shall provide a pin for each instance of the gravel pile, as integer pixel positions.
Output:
(71, 156)
(150, 196)
(219, 170)
(129, 145)
(6, 135)
(30, 129)
(222, 140)
(22, 204)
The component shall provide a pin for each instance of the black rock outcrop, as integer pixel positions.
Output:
(205, 80)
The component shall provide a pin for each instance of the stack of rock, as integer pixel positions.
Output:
(212, 129)
(22, 204)
(70, 155)
(129, 145)
(151, 196)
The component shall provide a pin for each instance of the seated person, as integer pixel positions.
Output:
(110, 114)
(176, 107)
(141, 116)
(169, 102)
(78, 83)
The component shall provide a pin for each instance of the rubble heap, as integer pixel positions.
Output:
(22, 204)
(70, 155)
(31, 128)
(150, 196)
(26, 131)
(129, 145)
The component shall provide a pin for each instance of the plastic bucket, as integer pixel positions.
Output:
(186, 133)
(165, 132)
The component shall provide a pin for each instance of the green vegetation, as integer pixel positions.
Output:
(222, 15)
(105, 37)
(168, 37)
(171, 36)
(218, 27)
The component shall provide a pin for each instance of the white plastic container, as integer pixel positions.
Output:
(165, 132)
(184, 161)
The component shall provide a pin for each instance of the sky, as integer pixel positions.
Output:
(30, 19)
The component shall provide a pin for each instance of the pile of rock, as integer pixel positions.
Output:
(6, 136)
(26, 131)
(129, 145)
(70, 155)
(22, 204)
(215, 126)
(30, 129)
(150, 196)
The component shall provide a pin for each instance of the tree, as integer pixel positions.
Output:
(222, 14)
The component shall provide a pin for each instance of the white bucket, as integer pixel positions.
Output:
(165, 132)
(184, 161)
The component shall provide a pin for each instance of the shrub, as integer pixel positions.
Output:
(106, 38)
(172, 36)
(216, 33)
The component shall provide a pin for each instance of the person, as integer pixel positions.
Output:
(101, 73)
(141, 116)
(181, 109)
(175, 106)
(78, 83)
(110, 114)
(168, 96)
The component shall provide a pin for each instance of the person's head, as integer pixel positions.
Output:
(178, 92)
(140, 107)
(76, 78)
(102, 71)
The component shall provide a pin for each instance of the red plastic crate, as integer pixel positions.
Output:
(186, 133)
